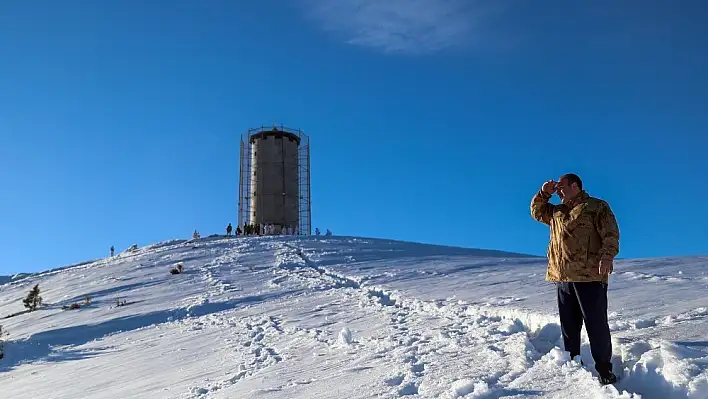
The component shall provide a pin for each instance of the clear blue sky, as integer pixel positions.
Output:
(430, 121)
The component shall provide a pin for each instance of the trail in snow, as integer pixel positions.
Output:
(431, 334)
(651, 364)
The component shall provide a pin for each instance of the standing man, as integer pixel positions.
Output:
(228, 230)
(583, 244)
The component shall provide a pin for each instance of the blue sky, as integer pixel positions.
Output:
(429, 121)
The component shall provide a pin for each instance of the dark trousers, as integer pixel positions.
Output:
(586, 302)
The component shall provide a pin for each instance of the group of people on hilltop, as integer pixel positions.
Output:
(251, 230)
(317, 232)
(255, 229)
(260, 229)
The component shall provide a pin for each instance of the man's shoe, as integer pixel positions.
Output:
(607, 379)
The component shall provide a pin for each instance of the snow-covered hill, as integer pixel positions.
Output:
(342, 317)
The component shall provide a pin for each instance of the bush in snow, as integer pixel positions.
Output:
(33, 299)
(131, 249)
(76, 305)
(177, 269)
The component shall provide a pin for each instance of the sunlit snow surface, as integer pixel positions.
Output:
(343, 317)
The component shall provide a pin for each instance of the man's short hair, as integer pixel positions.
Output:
(573, 178)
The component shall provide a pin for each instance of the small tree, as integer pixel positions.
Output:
(33, 299)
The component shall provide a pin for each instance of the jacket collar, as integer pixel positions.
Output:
(579, 199)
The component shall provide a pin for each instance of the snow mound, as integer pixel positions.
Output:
(345, 336)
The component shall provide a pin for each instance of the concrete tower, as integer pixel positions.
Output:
(275, 179)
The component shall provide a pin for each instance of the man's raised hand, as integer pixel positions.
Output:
(549, 187)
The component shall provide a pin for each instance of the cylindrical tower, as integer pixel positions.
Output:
(274, 187)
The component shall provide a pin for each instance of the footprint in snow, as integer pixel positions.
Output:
(394, 381)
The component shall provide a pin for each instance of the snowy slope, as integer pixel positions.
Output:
(342, 317)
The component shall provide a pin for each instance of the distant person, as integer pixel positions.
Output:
(317, 231)
(228, 229)
(238, 230)
(195, 235)
(328, 233)
(584, 242)
(113, 250)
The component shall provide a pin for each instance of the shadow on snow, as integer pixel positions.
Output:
(56, 345)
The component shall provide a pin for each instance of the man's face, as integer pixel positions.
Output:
(566, 191)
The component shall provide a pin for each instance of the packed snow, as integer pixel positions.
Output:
(342, 317)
